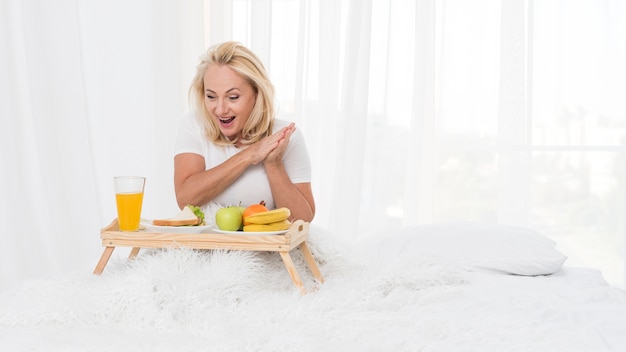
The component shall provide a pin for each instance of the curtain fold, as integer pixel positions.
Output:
(513, 114)
(352, 126)
(419, 183)
(320, 112)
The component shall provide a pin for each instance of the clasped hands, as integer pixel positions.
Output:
(270, 150)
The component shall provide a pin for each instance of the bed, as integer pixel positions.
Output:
(441, 287)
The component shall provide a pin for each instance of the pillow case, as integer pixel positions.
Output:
(474, 246)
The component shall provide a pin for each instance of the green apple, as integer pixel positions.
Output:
(229, 218)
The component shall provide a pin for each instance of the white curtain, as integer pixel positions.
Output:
(89, 90)
(414, 112)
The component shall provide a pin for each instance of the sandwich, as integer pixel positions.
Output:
(189, 216)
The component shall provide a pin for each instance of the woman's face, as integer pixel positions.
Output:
(229, 98)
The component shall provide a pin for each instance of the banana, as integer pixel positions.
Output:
(275, 226)
(268, 217)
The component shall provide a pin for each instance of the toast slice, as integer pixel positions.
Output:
(185, 218)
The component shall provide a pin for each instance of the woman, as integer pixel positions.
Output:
(231, 150)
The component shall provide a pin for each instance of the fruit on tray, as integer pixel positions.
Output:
(254, 208)
(229, 218)
(275, 226)
(254, 218)
(267, 217)
(271, 220)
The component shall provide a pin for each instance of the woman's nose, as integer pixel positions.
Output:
(221, 108)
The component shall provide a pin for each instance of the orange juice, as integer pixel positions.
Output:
(129, 210)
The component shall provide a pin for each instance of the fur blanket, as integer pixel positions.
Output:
(190, 300)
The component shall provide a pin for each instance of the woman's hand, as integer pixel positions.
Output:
(276, 155)
(271, 149)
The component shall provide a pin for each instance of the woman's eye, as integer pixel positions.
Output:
(209, 96)
(234, 97)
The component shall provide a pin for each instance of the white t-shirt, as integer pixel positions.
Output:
(252, 186)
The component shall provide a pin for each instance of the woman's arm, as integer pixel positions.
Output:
(194, 184)
(297, 197)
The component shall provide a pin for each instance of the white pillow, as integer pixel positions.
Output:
(474, 246)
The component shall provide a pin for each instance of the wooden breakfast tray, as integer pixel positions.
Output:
(297, 235)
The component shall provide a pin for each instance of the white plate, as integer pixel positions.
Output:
(262, 233)
(147, 224)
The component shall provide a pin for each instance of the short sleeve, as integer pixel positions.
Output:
(189, 138)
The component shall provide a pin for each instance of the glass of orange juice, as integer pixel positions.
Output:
(129, 198)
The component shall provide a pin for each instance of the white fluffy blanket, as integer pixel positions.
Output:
(185, 300)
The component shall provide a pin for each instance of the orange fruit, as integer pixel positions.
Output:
(253, 209)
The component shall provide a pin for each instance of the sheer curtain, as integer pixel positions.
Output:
(414, 112)
(428, 111)
(92, 90)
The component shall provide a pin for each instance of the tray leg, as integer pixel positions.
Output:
(134, 252)
(292, 271)
(308, 256)
(104, 259)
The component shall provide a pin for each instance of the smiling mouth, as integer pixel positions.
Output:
(226, 120)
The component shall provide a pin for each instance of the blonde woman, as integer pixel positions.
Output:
(231, 149)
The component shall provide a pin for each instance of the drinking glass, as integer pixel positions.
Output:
(129, 198)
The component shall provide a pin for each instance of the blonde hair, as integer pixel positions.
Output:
(243, 61)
